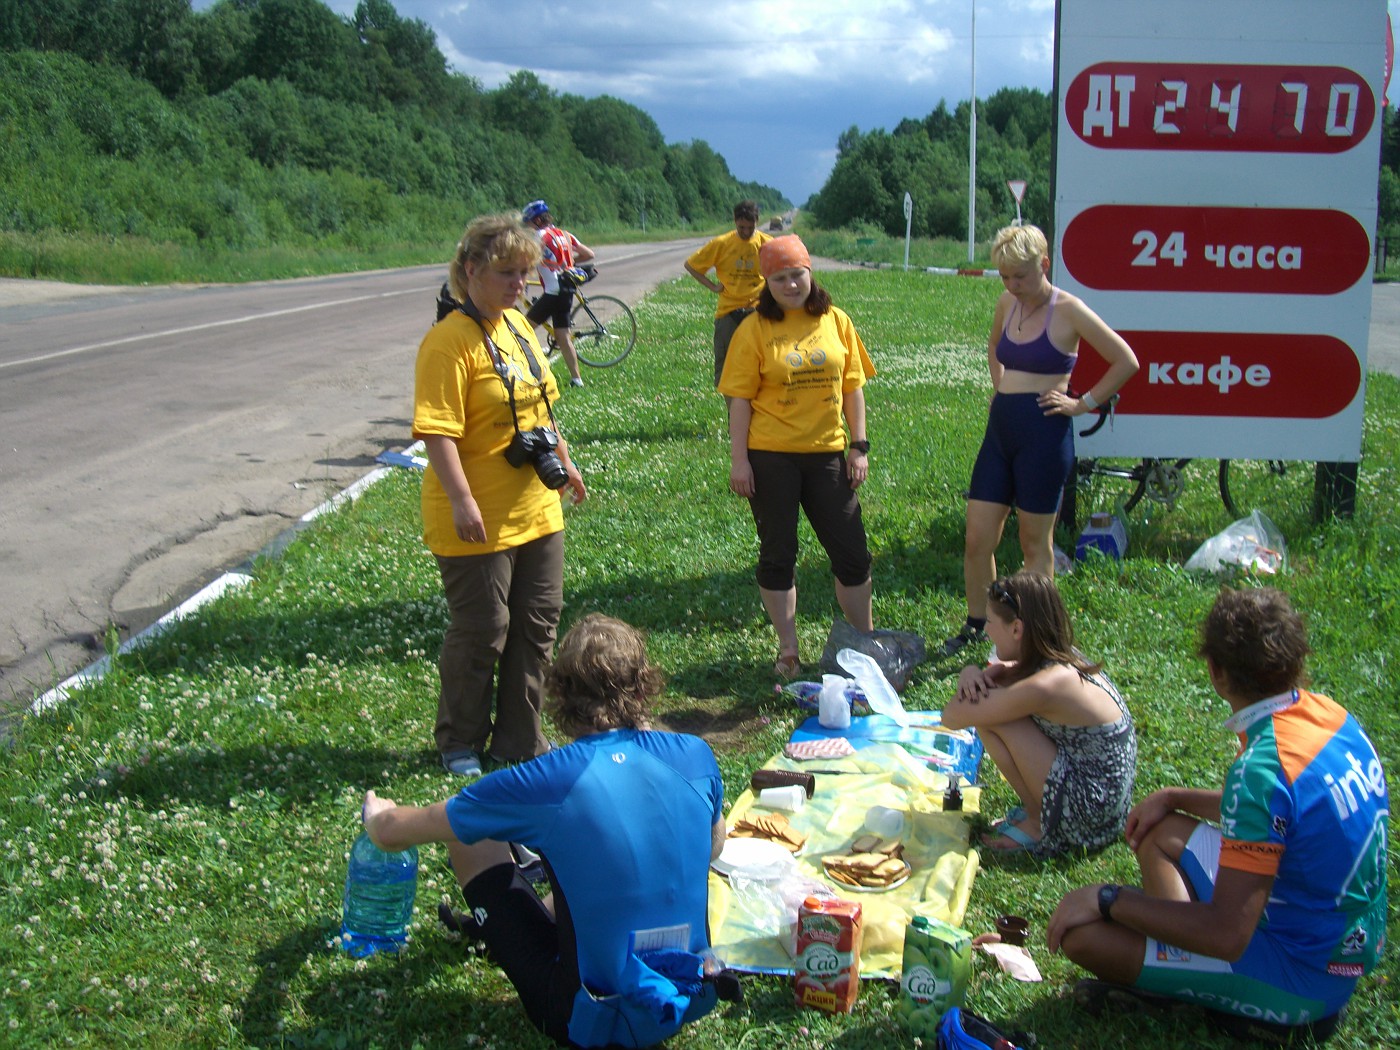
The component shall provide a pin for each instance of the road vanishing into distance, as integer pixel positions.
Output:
(153, 438)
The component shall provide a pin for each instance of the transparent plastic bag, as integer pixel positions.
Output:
(866, 670)
(1253, 543)
(897, 652)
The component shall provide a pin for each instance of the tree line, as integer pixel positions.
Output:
(929, 159)
(265, 121)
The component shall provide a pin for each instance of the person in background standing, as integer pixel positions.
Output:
(562, 251)
(734, 259)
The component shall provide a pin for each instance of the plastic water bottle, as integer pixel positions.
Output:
(378, 902)
(1105, 532)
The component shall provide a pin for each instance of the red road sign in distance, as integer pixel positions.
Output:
(1288, 251)
(1243, 374)
(1214, 107)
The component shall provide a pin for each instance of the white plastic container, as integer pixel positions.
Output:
(833, 709)
(790, 797)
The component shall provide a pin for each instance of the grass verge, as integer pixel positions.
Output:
(173, 840)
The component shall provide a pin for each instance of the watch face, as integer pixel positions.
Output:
(1107, 896)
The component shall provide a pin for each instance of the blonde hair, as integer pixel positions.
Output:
(1019, 244)
(490, 240)
(601, 678)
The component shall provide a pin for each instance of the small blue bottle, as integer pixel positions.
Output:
(378, 901)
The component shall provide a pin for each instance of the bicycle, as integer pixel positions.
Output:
(603, 326)
(1275, 486)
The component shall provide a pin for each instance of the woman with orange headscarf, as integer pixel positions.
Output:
(795, 371)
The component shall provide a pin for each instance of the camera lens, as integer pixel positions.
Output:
(551, 470)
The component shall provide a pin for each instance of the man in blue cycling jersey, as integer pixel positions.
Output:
(626, 820)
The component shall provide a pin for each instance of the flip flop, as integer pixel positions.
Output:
(1014, 815)
(1023, 842)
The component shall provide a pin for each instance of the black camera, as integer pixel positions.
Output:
(537, 447)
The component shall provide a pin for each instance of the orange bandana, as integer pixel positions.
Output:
(783, 253)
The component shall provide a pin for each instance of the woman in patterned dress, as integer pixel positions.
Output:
(1051, 721)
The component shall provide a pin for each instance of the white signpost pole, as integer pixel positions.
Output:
(908, 225)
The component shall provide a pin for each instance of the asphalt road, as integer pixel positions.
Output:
(152, 439)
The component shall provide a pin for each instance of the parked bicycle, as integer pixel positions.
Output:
(1277, 487)
(604, 327)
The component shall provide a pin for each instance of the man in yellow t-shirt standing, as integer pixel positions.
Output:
(734, 259)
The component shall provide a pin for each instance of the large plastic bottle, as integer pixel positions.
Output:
(378, 901)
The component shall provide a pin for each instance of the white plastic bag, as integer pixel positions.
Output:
(1252, 543)
(879, 694)
(833, 709)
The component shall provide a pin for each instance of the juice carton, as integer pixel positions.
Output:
(937, 964)
(828, 954)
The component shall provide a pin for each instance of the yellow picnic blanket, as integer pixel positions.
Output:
(751, 921)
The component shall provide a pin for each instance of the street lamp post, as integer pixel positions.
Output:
(972, 146)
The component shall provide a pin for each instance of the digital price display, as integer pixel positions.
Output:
(1199, 106)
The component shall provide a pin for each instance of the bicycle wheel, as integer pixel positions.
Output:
(1282, 490)
(604, 330)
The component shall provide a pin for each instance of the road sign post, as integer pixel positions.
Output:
(1018, 190)
(908, 225)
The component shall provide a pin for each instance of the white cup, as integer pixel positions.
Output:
(790, 797)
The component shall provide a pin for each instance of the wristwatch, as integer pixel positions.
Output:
(861, 446)
(1108, 897)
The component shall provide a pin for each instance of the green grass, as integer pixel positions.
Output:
(173, 839)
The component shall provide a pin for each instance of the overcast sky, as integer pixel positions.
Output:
(769, 84)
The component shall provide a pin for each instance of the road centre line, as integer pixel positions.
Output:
(203, 327)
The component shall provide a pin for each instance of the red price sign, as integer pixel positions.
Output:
(1244, 374)
(1287, 251)
(1230, 108)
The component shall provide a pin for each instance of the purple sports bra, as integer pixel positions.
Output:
(1039, 355)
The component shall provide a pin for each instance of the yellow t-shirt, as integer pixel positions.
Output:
(735, 263)
(458, 394)
(796, 373)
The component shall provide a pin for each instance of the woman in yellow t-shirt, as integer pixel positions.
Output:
(483, 397)
(795, 369)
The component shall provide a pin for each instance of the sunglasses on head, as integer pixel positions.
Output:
(1001, 593)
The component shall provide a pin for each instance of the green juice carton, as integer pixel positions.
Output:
(933, 979)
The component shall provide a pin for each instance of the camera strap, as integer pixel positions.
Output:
(503, 370)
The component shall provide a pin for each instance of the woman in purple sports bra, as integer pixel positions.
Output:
(1028, 449)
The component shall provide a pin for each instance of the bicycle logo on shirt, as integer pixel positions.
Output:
(797, 357)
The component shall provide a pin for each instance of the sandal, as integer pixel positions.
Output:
(788, 666)
(1022, 843)
(1014, 815)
